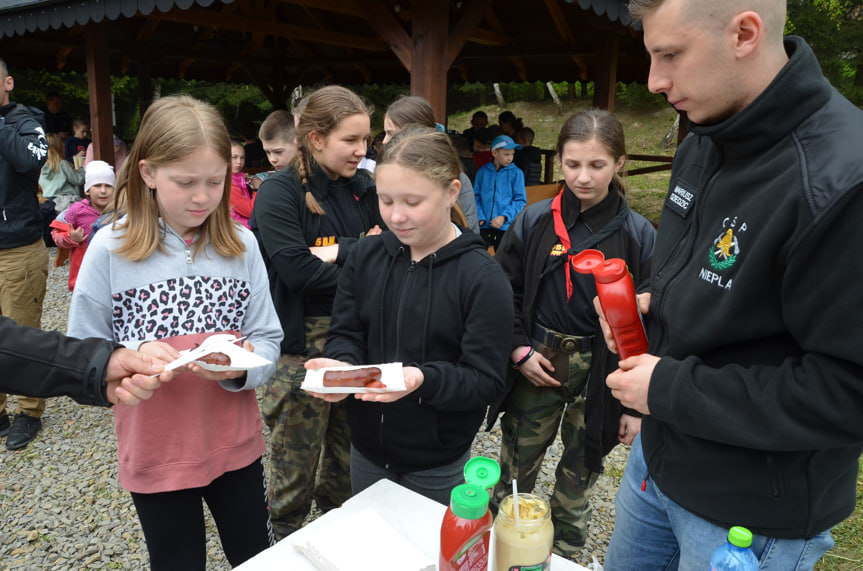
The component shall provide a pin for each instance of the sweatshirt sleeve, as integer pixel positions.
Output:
(479, 376)
(73, 177)
(90, 312)
(808, 400)
(260, 324)
(467, 200)
(241, 202)
(510, 254)
(481, 182)
(280, 212)
(22, 143)
(519, 195)
(350, 343)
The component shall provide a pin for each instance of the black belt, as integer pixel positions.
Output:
(559, 342)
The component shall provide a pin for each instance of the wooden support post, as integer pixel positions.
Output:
(99, 85)
(145, 86)
(606, 72)
(429, 58)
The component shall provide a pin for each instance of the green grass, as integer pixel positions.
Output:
(847, 555)
(644, 130)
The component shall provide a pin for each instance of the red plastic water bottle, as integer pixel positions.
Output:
(616, 292)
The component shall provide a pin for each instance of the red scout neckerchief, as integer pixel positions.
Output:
(563, 235)
(593, 240)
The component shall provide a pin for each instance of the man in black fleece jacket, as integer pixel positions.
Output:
(752, 386)
(91, 371)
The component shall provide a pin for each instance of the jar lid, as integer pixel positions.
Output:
(481, 471)
(468, 501)
(586, 260)
(740, 536)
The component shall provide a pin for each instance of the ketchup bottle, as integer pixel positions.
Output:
(465, 530)
(616, 292)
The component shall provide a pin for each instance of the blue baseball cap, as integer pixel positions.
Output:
(504, 142)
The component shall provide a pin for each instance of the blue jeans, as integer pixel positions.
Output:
(653, 532)
(434, 483)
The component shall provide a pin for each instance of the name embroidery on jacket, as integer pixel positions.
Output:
(680, 200)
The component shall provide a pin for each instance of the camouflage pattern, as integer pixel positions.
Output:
(529, 426)
(305, 433)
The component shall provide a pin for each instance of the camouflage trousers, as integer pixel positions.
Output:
(529, 426)
(305, 433)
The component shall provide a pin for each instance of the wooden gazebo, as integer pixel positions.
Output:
(278, 44)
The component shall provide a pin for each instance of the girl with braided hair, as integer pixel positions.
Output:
(308, 217)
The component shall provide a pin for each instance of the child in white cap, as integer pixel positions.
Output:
(74, 226)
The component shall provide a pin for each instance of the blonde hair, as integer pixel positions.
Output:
(173, 128)
(321, 112)
(431, 154)
(56, 152)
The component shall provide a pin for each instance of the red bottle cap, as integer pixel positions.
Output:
(585, 261)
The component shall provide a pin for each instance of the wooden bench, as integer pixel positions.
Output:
(539, 192)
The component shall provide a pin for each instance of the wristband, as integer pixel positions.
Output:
(523, 359)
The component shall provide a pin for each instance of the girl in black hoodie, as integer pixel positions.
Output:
(428, 295)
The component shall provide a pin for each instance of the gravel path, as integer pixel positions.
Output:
(61, 506)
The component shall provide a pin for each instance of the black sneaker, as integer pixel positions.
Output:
(24, 429)
(4, 424)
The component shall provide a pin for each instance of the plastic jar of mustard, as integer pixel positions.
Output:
(524, 544)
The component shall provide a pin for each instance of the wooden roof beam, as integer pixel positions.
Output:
(496, 24)
(465, 25)
(62, 55)
(272, 28)
(553, 7)
(346, 7)
(388, 27)
(147, 30)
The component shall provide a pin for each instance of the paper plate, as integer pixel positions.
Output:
(391, 375)
(241, 360)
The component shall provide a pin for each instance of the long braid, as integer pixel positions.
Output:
(303, 169)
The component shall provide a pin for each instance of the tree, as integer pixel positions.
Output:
(834, 29)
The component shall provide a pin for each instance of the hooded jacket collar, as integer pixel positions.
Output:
(466, 241)
(319, 182)
(769, 118)
(594, 217)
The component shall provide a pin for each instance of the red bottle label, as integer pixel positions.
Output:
(474, 557)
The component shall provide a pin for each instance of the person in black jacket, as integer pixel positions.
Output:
(753, 381)
(91, 371)
(425, 294)
(23, 256)
(559, 359)
(308, 217)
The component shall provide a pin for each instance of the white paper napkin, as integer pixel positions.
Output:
(363, 540)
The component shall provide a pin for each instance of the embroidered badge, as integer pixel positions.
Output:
(723, 252)
(558, 250)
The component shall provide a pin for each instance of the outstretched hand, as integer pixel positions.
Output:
(130, 379)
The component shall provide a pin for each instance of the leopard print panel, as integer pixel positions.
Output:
(180, 306)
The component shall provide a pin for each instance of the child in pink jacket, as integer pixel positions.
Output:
(73, 227)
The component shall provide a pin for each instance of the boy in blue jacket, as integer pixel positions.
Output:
(499, 191)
